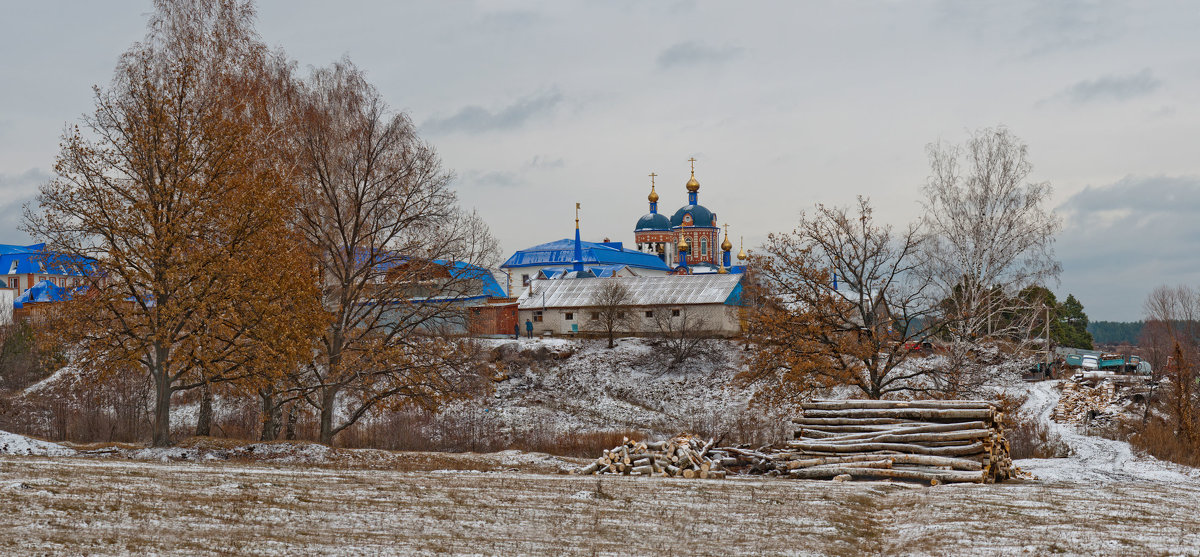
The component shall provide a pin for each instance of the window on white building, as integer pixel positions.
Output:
(569, 316)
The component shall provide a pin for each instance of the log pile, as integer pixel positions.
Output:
(1079, 402)
(931, 441)
(685, 456)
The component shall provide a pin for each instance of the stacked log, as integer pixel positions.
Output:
(931, 441)
(1079, 401)
(685, 456)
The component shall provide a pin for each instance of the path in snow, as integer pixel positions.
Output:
(1094, 459)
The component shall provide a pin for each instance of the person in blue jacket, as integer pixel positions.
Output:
(529, 328)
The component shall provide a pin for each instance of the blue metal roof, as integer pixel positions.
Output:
(32, 259)
(489, 287)
(44, 291)
(562, 253)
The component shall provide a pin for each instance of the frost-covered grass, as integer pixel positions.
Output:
(110, 506)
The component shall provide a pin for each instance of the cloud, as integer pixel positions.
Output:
(477, 119)
(693, 53)
(1112, 88)
(24, 183)
(492, 179)
(16, 192)
(542, 162)
(1123, 239)
(1069, 25)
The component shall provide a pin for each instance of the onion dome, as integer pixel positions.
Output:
(742, 255)
(726, 246)
(653, 197)
(693, 185)
(653, 221)
(700, 216)
(683, 244)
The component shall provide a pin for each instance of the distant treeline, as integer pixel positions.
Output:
(1115, 332)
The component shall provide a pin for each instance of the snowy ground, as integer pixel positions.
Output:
(281, 499)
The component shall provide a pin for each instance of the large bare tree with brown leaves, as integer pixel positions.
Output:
(173, 200)
(837, 302)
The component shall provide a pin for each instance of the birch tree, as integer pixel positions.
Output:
(990, 233)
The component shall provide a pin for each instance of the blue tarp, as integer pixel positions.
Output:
(562, 253)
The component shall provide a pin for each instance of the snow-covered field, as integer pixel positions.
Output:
(211, 497)
(282, 500)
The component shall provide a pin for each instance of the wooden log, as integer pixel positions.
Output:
(887, 463)
(642, 470)
(945, 436)
(589, 469)
(716, 474)
(898, 447)
(672, 470)
(906, 429)
(809, 420)
(878, 404)
(944, 476)
(689, 473)
(906, 413)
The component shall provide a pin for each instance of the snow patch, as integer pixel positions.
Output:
(13, 444)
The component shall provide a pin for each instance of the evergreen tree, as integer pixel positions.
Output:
(1070, 325)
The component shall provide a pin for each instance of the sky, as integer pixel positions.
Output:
(538, 105)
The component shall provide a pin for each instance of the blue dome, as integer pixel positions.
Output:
(701, 216)
(653, 221)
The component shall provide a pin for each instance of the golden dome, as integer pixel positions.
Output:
(653, 197)
(741, 253)
(693, 185)
(683, 244)
(726, 246)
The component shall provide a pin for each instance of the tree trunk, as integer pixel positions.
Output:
(204, 416)
(289, 432)
(328, 395)
(271, 415)
(162, 409)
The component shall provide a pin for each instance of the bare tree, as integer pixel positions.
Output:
(396, 255)
(1174, 313)
(990, 234)
(612, 311)
(839, 302)
(685, 335)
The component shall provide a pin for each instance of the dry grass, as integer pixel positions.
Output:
(116, 507)
(1160, 440)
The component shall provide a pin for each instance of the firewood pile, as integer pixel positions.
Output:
(1078, 401)
(930, 441)
(935, 441)
(685, 456)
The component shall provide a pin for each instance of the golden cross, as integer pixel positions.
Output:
(693, 161)
(726, 230)
(652, 175)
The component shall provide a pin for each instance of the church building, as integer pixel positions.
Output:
(690, 240)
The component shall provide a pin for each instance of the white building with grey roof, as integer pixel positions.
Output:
(700, 304)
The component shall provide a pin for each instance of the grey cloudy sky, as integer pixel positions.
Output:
(537, 105)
